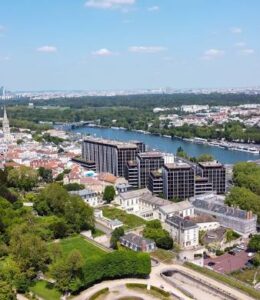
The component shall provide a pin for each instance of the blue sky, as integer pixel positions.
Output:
(129, 44)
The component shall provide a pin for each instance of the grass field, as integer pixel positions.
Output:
(87, 250)
(163, 255)
(45, 290)
(246, 276)
(130, 221)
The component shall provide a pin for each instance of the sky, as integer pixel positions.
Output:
(129, 44)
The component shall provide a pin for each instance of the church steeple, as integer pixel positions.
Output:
(6, 127)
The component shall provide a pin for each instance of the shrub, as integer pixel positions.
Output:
(119, 264)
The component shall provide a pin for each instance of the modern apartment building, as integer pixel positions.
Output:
(155, 183)
(109, 155)
(216, 174)
(146, 163)
(202, 185)
(178, 181)
(131, 173)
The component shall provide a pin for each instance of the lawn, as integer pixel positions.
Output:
(163, 255)
(247, 275)
(97, 233)
(87, 250)
(130, 221)
(45, 290)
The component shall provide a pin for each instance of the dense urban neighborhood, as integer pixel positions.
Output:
(77, 210)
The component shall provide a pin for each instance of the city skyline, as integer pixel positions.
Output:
(128, 44)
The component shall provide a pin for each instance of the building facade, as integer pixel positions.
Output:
(109, 156)
(178, 181)
(183, 231)
(216, 174)
(137, 243)
(146, 163)
(239, 220)
(155, 183)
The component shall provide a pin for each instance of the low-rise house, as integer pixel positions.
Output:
(205, 222)
(89, 197)
(137, 243)
(183, 231)
(182, 209)
(242, 221)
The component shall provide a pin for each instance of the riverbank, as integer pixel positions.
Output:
(169, 144)
(233, 146)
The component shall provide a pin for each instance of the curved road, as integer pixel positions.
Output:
(156, 280)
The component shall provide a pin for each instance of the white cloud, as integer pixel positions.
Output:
(47, 49)
(5, 58)
(247, 51)
(212, 54)
(103, 52)
(240, 44)
(2, 28)
(235, 30)
(153, 8)
(109, 4)
(145, 49)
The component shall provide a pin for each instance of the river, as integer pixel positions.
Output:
(165, 144)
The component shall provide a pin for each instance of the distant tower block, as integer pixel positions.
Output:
(6, 128)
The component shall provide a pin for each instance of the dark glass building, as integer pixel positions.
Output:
(108, 155)
(216, 174)
(147, 162)
(178, 181)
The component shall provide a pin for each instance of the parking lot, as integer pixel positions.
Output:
(227, 262)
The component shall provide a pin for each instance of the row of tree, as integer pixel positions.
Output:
(73, 274)
(246, 193)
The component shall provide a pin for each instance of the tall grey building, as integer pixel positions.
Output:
(178, 181)
(146, 163)
(108, 155)
(216, 174)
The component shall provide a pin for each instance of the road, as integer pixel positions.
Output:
(156, 280)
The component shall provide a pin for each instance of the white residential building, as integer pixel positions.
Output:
(183, 231)
(89, 197)
(182, 209)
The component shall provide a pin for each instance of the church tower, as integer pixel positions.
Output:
(6, 128)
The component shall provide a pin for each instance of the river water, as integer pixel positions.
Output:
(165, 144)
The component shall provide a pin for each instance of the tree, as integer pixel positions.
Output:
(205, 157)
(116, 234)
(109, 193)
(245, 199)
(6, 291)
(254, 243)
(23, 178)
(256, 260)
(29, 250)
(153, 230)
(54, 199)
(74, 186)
(68, 272)
(45, 174)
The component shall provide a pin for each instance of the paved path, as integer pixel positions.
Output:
(156, 280)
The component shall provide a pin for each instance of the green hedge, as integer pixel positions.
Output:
(119, 264)
(225, 279)
(98, 293)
